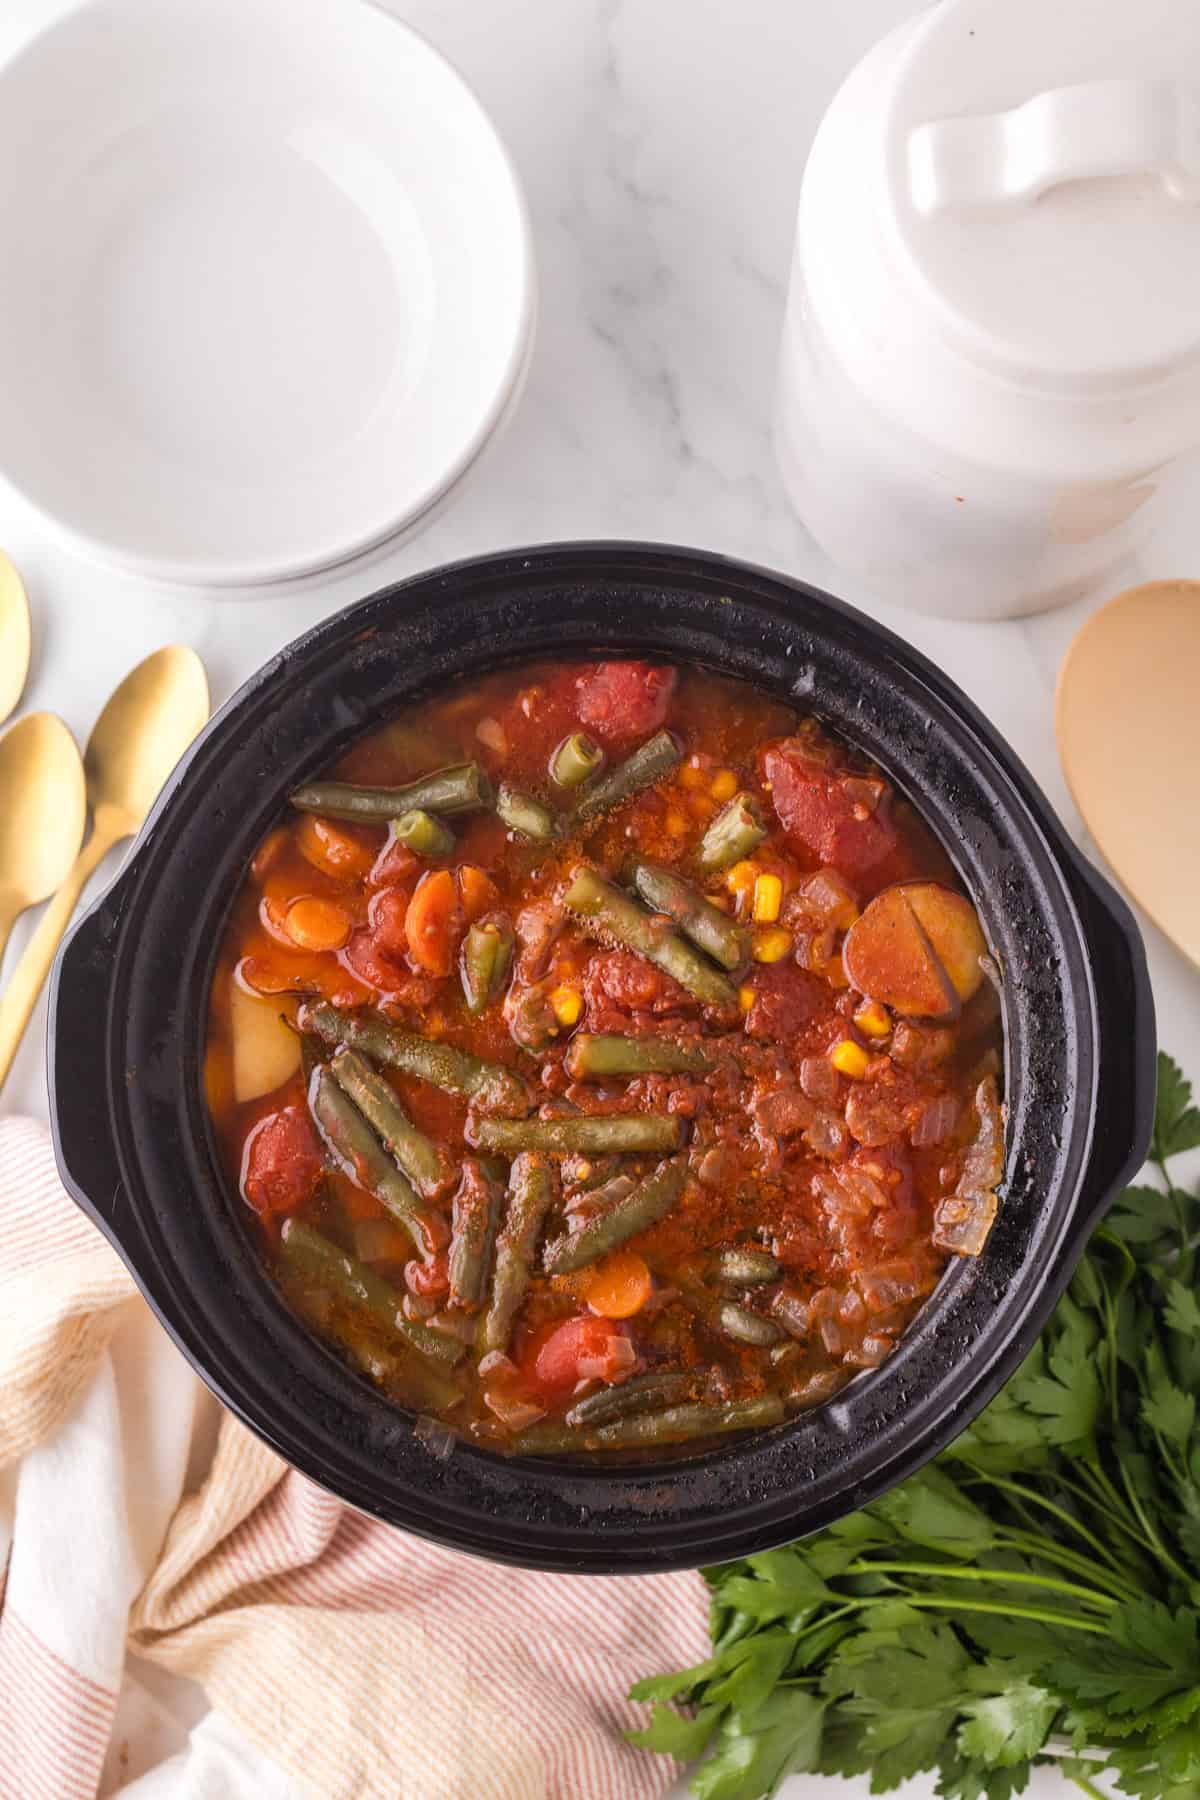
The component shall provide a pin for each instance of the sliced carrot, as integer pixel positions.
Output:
(433, 922)
(317, 924)
(619, 1286)
(477, 891)
(335, 848)
(269, 852)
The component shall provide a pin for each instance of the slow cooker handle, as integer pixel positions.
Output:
(77, 1067)
(1128, 1046)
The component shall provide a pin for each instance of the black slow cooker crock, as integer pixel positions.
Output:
(128, 1018)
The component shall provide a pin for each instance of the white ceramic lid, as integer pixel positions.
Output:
(267, 281)
(1043, 162)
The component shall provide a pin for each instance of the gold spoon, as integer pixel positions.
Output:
(14, 638)
(43, 810)
(145, 728)
(1129, 738)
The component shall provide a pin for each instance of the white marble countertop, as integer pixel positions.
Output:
(661, 147)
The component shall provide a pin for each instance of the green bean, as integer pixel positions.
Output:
(734, 833)
(486, 955)
(425, 1163)
(529, 1194)
(591, 1057)
(356, 1149)
(421, 832)
(649, 1202)
(419, 1384)
(526, 816)
(648, 764)
(607, 913)
(490, 1084)
(476, 1215)
(576, 760)
(792, 1312)
(612, 1134)
(321, 1261)
(746, 1267)
(743, 1326)
(709, 928)
(662, 1387)
(462, 788)
(696, 1420)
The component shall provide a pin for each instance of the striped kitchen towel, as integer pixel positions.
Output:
(141, 1528)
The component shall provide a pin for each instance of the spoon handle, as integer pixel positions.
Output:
(20, 996)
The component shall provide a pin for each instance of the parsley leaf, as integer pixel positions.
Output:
(1176, 1121)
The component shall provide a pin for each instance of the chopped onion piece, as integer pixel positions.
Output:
(617, 1362)
(873, 1115)
(871, 1352)
(936, 1122)
(983, 1164)
(458, 1325)
(496, 1363)
(962, 1221)
(819, 1079)
(511, 1410)
(826, 1136)
(821, 1385)
(437, 1438)
(492, 733)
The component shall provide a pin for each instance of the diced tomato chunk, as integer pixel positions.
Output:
(618, 980)
(395, 863)
(596, 1344)
(832, 813)
(386, 914)
(282, 1163)
(624, 699)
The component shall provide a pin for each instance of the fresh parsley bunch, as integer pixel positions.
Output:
(1034, 1594)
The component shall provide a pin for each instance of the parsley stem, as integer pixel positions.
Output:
(952, 1603)
(1059, 1512)
(1010, 1577)
(1092, 1495)
(1151, 1538)
(1035, 1543)
(1087, 1787)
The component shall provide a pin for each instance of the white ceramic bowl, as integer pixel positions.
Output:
(266, 282)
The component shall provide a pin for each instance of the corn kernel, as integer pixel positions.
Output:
(849, 1058)
(772, 944)
(691, 775)
(676, 823)
(873, 1020)
(768, 896)
(724, 785)
(741, 877)
(566, 1004)
(746, 998)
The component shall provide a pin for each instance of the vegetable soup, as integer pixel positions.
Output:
(609, 1060)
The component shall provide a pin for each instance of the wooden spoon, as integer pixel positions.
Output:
(139, 737)
(43, 810)
(1128, 720)
(15, 641)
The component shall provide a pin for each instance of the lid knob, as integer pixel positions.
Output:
(1081, 133)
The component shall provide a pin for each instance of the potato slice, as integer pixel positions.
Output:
(916, 948)
(265, 1052)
